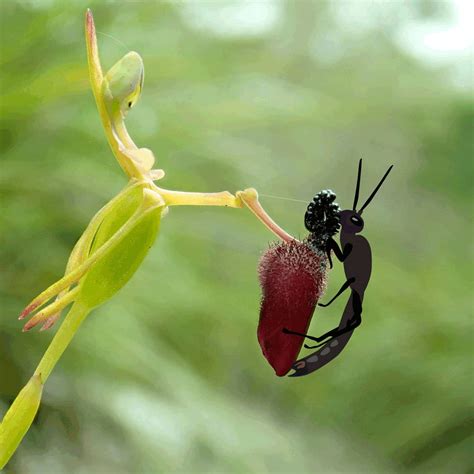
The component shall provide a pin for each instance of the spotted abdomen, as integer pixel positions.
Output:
(328, 351)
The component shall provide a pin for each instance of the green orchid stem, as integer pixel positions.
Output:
(61, 340)
(22, 412)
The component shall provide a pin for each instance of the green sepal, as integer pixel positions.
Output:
(117, 215)
(19, 417)
(112, 272)
(129, 196)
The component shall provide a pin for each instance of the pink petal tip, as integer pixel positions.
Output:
(28, 310)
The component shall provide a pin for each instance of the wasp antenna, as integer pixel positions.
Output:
(356, 196)
(374, 192)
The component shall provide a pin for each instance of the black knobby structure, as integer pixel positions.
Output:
(357, 259)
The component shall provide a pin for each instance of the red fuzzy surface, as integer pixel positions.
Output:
(292, 278)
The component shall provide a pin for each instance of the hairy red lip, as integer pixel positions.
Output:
(293, 278)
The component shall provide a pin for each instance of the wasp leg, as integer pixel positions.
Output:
(328, 253)
(342, 289)
(353, 323)
(341, 255)
(313, 338)
(318, 345)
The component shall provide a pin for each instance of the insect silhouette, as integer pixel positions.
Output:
(357, 260)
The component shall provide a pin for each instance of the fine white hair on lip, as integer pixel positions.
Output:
(287, 263)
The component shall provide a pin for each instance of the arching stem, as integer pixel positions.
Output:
(250, 198)
(61, 340)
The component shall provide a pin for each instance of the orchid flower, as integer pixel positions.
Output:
(117, 238)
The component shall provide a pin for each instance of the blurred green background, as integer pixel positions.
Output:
(284, 97)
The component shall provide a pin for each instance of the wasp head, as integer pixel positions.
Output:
(351, 222)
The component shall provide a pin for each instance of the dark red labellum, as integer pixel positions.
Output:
(292, 277)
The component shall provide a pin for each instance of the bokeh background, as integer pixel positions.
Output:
(285, 97)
